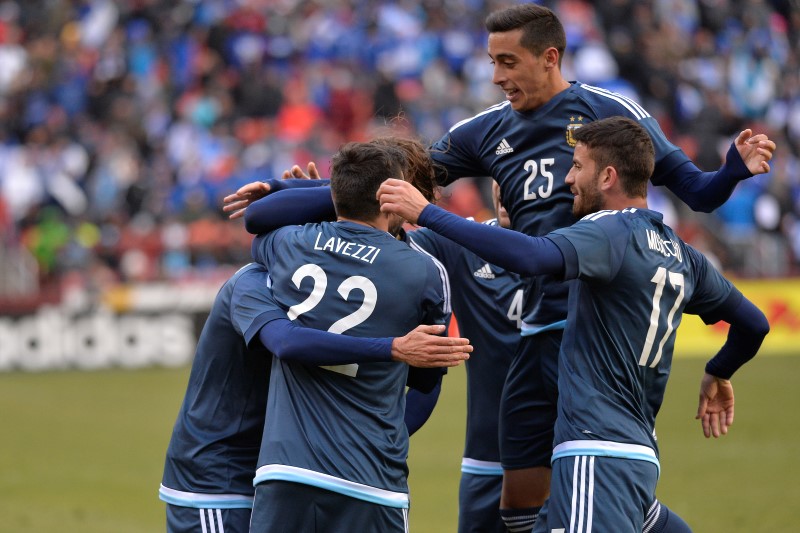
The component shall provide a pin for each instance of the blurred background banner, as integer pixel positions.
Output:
(157, 324)
(780, 301)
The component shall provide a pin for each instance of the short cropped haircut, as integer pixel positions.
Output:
(540, 27)
(420, 169)
(357, 170)
(621, 143)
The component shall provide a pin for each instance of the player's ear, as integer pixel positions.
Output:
(551, 56)
(609, 178)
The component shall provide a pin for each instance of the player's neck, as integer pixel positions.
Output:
(624, 202)
(380, 222)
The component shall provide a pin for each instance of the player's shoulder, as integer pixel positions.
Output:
(610, 217)
(606, 103)
(491, 114)
(248, 271)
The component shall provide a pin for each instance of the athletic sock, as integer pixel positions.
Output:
(520, 520)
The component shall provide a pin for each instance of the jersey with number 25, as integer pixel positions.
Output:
(529, 154)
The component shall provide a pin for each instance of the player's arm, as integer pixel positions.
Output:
(505, 248)
(748, 328)
(236, 203)
(705, 191)
(422, 347)
(425, 386)
(289, 207)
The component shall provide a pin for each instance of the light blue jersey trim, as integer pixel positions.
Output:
(352, 489)
(528, 329)
(604, 448)
(481, 468)
(199, 500)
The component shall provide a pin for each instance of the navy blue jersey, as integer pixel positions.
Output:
(487, 302)
(636, 279)
(341, 428)
(529, 154)
(211, 458)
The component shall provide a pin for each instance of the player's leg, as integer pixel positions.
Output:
(286, 507)
(660, 519)
(479, 504)
(591, 493)
(528, 412)
(192, 519)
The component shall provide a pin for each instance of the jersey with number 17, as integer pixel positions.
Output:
(635, 280)
(345, 422)
(529, 154)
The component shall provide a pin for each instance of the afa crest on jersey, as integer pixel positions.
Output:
(574, 124)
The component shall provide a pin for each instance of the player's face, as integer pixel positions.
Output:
(521, 74)
(584, 182)
(500, 212)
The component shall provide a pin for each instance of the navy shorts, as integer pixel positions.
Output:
(193, 519)
(528, 406)
(288, 507)
(479, 504)
(591, 493)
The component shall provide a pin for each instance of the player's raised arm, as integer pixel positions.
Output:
(401, 198)
(755, 150)
(505, 248)
(236, 203)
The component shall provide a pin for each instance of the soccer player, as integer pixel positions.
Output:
(333, 453)
(526, 143)
(634, 280)
(488, 305)
(213, 451)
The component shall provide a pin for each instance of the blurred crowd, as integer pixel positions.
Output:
(124, 123)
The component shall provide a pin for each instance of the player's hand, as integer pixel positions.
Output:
(236, 203)
(401, 198)
(756, 151)
(296, 172)
(425, 348)
(715, 410)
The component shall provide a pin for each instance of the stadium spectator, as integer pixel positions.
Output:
(142, 71)
(618, 341)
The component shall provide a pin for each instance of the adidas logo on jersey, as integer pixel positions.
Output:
(503, 148)
(484, 272)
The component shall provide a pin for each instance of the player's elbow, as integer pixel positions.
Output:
(761, 327)
(249, 222)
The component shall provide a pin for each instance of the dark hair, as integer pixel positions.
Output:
(420, 168)
(540, 27)
(621, 143)
(357, 170)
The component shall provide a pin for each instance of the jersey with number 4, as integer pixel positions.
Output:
(529, 154)
(341, 428)
(487, 304)
(635, 280)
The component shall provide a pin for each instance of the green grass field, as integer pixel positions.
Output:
(83, 451)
